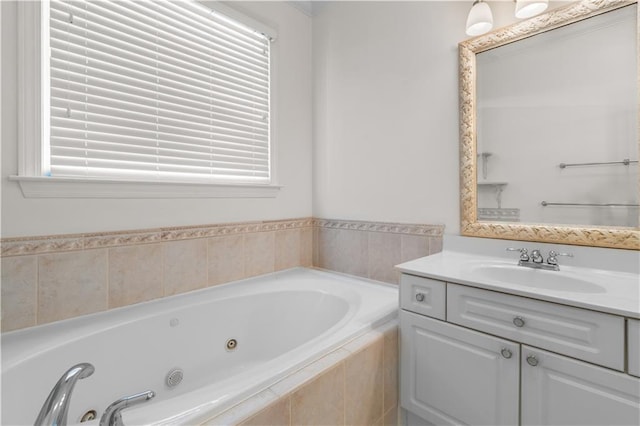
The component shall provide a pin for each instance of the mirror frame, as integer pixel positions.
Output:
(599, 236)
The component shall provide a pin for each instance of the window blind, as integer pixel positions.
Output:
(156, 90)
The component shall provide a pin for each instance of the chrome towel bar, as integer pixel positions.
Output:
(545, 203)
(626, 162)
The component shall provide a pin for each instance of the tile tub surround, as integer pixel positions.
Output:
(52, 278)
(356, 384)
(47, 279)
(372, 249)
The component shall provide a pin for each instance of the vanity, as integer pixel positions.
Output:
(487, 342)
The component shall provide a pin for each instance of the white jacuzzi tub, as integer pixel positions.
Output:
(280, 321)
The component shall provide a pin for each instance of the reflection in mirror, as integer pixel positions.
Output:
(557, 125)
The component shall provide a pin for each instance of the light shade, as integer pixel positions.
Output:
(529, 8)
(480, 19)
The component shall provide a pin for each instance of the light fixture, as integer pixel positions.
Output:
(529, 8)
(480, 19)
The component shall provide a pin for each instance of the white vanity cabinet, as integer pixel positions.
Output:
(451, 375)
(557, 390)
(496, 358)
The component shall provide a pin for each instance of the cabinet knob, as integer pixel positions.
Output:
(420, 297)
(518, 321)
(506, 353)
(532, 360)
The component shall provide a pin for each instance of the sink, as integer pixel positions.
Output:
(536, 278)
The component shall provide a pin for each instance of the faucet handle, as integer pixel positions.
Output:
(552, 259)
(524, 254)
(112, 415)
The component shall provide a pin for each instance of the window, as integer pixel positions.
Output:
(153, 91)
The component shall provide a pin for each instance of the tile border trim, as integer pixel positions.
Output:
(20, 246)
(391, 227)
(62, 243)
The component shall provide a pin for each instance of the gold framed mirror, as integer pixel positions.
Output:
(473, 161)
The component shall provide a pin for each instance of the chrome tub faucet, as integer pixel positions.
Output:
(112, 415)
(56, 406)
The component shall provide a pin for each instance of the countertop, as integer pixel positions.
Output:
(620, 294)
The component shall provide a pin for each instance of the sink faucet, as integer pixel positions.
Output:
(536, 260)
(56, 406)
(536, 256)
(112, 415)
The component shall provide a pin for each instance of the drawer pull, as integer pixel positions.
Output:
(518, 322)
(420, 297)
(506, 353)
(532, 360)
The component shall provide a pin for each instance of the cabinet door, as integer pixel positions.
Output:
(451, 375)
(557, 390)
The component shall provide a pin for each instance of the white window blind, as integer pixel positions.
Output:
(156, 90)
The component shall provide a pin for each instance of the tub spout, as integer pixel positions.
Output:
(55, 408)
(112, 415)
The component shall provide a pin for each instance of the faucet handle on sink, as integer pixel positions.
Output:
(553, 255)
(524, 254)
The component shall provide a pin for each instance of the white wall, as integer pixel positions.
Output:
(386, 109)
(28, 217)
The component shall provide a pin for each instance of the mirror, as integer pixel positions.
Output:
(549, 128)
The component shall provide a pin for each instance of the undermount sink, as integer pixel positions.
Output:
(536, 278)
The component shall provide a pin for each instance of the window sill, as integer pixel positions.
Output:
(62, 187)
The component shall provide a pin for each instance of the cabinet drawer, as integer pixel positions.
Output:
(633, 339)
(423, 296)
(591, 336)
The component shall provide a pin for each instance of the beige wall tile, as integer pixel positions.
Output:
(306, 247)
(287, 245)
(71, 284)
(19, 286)
(185, 266)
(226, 259)
(135, 274)
(435, 245)
(316, 249)
(259, 253)
(390, 369)
(320, 402)
(277, 414)
(353, 252)
(327, 244)
(414, 247)
(384, 254)
(391, 417)
(364, 385)
(343, 250)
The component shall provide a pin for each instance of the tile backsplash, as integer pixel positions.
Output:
(47, 279)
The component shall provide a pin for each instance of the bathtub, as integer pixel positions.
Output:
(280, 322)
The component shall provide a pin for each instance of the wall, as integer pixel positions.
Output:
(386, 109)
(29, 217)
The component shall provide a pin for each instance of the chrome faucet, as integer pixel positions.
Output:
(536, 260)
(112, 415)
(56, 406)
(536, 256)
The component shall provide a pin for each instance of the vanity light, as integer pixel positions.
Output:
(480, 19)
(529, 8)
